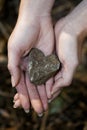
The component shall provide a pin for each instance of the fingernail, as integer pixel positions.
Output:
(49, 101)
(40, 115)
(26, 111)
(14, 106)
(13, 101)
(13, 82)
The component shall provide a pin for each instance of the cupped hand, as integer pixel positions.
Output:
(70, 33)
(38, 33)
(67, 51)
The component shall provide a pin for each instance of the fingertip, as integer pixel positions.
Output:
(37, 106)
(49, 100)
(40, 114)
(16, 96)
(57, 86)
(60, 83)
(15, 78)
(17, 104)
(27, 111)
(14, 66)
(55, 95)
(49, 85)
(25, 102)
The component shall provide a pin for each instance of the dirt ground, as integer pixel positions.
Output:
(69, 110)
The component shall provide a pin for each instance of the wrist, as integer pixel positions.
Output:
(36, 7)
(76, 22)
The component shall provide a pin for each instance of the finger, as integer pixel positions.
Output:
(43, 96)
(23, 94)
(34, 96)
(64, 80)
(16, 96)
(17, 103)
(49, 85)
(59, 75)
(55, 95)
(13, 65)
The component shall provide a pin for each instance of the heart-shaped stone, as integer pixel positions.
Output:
(41, 67)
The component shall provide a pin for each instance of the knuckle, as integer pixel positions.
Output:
(9, 66)
(11, 45)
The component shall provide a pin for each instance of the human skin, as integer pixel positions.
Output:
(70, 33)
(33, 29)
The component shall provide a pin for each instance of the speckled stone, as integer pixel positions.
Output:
(41, 67)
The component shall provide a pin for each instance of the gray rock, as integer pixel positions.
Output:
(41, 67)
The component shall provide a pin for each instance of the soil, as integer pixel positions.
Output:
(69, 110)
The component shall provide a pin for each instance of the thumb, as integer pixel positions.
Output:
(13, 65)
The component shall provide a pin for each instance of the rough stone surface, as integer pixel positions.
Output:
(41, 67)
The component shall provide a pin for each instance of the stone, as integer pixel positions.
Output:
(41, 67)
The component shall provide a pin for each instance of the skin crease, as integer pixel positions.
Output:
(68, 32)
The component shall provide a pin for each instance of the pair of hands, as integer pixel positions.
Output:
(38, 32)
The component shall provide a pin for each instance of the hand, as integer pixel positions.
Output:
(37, 31)
(69, 32)
(67, 51)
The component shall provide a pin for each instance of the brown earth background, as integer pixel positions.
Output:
(69, 110)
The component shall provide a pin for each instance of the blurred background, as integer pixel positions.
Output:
(69, 110)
